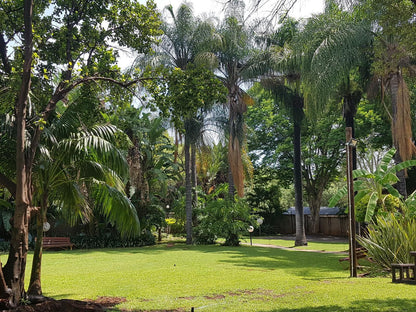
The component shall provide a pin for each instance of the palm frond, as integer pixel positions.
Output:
(116, 207)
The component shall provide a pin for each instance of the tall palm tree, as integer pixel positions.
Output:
(393, 28)
(237, 58)
(291, 97)
(186, 38)
(283, 79)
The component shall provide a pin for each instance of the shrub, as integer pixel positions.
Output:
(385, 205)
(90, 242)
(222, 217)
(390, 239)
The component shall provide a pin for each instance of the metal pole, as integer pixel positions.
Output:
(251, 241)
(351, 206)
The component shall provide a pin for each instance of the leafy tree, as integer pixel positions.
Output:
(57, 46)
(151, 165)
(322, 155)
(68, 168)
(181, 95)
(222, 217)
(392, 27)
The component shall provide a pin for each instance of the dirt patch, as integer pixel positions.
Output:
(187, 298)
(64, 305)
(108, 302)
(214, 297)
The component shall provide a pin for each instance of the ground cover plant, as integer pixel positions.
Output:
(176, 277)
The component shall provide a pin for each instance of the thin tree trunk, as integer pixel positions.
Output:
(300, 239)
(14, 270)
(188, 192)
(194, 177)
(35, 285)
(175, 154)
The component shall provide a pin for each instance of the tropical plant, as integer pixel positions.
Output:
(222, 217)
(237, 57)
(390, 239)
(79, 174)
(152, 169)
(377, 185)
(184, 40)
(284, 83)
(57, 46)
(392, 28)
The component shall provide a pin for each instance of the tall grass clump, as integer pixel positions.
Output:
(390, 239)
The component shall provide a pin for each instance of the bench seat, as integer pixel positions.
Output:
(57, 242)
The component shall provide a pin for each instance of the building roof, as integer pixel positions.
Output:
(323, 211)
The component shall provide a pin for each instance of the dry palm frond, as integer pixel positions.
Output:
(402, 122)
(236, 165)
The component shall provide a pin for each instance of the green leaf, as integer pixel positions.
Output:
(337, 197)
(371, 207)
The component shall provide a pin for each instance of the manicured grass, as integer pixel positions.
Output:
(290, 243)
(217, 278)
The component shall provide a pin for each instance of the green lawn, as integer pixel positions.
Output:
(290, 243)
(217, 278)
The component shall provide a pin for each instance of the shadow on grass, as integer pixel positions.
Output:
(305, 264)
(361, 305)
(357, 306)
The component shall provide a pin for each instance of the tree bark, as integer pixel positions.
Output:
(14, 270)
(194, 176)
(315, 207)
(300, 239)
(188, 191)
(35, 285)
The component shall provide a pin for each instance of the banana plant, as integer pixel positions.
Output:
(377, 185)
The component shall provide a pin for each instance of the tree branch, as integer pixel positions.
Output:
(9, 184)
(62, 91)
(3, 55)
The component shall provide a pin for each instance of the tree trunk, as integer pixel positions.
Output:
(315, 207)
(188, 192)
(300, 239)
(350, 109)
(231, 187)
(236, 111)
(194, 178)
(14, 270)
(35, 285)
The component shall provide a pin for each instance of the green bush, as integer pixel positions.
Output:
(386, 205)
(91, 242)
(222, 217)
(4, 246)
(390, 239)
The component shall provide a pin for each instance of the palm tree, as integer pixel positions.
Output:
(77, 171)
(333, 46)
(185, 39)
(284, 81)
(392, 29)
(237, 58)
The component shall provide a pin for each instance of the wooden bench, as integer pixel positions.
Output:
(57, 242)
(361, 252)
(407, 271)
